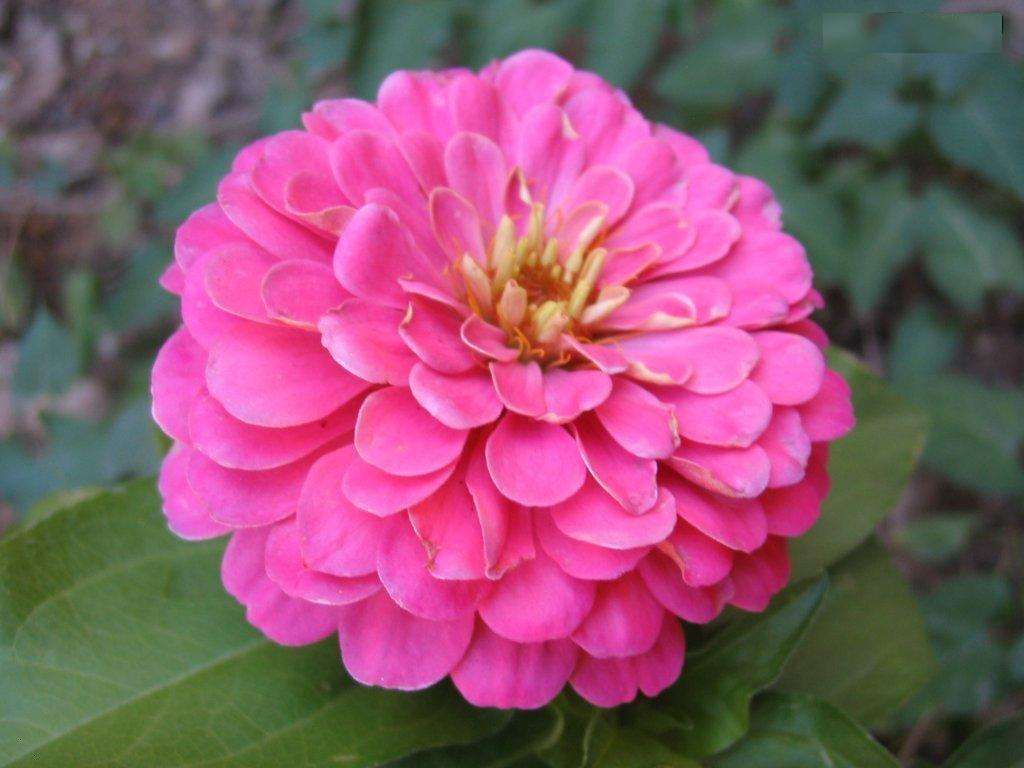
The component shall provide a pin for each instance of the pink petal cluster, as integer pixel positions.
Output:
(494, 379)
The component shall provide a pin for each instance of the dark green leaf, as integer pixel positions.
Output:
(118, 642)
(937, 537)
(851, 657)
(614, 746)
(501, 27)
(924, 343)
(527, 733)
(708, 709)
(982, 132)
(139, 301)
(868, 115)
(998, 746)
(47, 358)
(975, 433)
(790, 731)
(622, 38)
(869, 468)
(968, 252)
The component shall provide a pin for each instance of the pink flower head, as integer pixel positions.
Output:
(497, 380)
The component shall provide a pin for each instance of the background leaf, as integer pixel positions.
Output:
(998, 746)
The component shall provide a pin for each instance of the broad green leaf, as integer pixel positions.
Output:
(48, 358)
(967, 252)
(982, 131)
(976, 431)
(791, 731)
(612, 745)
(937, 537)
(851, 657)
(869, 468)
(998, 746)
(118, 642)
(399, 35)
(526, 734)
(868, 115)
(501, 27)
(924, 343)
(709, 708)
(622, 38)
(139, 301)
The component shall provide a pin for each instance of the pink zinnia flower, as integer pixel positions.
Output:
(495, 379)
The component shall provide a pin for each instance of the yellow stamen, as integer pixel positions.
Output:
(585, 284)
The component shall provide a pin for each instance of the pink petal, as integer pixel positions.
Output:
(532, 77)
(688, 150)
(829, 414)
(716, 233)
(395, 434)
(653, 167)
(709, 297)
(477, 106)
(460, 401)
(658, 312)
(172, 279)
(519, 386)
(533, 462)
(330, 118)
(432, 332)
(605, 184)
(383, 494)
(787, 446)
(759, 576)
(607, 124)
(277, 378)
(659, 667)
(424, 153)
(639, 422)
(734, 472)
(710, 186)
(233, 279)
(625, 620)
(660, 223)
(738, 524)
(415, 101)
(447, 525)
(374, 251)
(550, 153)
(567, 394)
(765, 258)
(583, 560)
(185, 511)
(791, 369)
(278, 234)
(232, 443)
(336, 537)
(596, 518)
(177, 380)
(732, 419)
(487, 339)
(605, 682)
(605, 358)
(286, 568)
(246, 499)
(506, 527)
(624, 264)
(402, 565)
(363, 338)
(719, 357)
(385, 646)
(299, 292)
(756, 307)
(288, 155)
(496, 672)
(663, 578)
(363, 160)
(629, 479)
(285, 620)
(203, 232)
(206, 322)
(456, 225)
(793, 510)
(703, 560)
(515, 610)
(475, 168)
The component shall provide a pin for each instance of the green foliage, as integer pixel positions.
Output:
(48, 358)
(998, 746)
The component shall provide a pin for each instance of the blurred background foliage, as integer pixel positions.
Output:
(893, 141)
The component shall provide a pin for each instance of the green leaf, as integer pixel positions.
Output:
(139, 301)
(526, 734)
(869, 468)
(622, 38)
(118, 642)
(976, 431)
(708, 709)
(982, 132)
(47, 358)
(998, 746)
(937, 537)
(614, 746)
(850, 656)
(15, 293)
(924, 343)
(868, 115)
(789, 731)
(501, 27)
(967, 252)
(399, 35)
